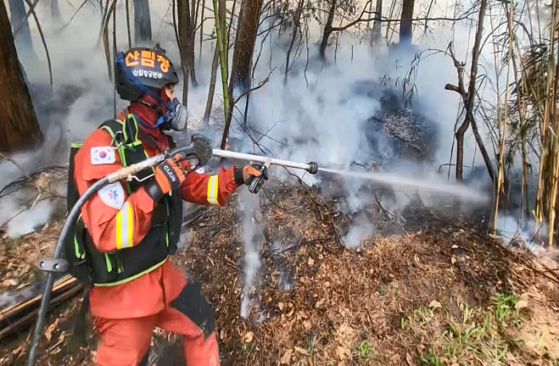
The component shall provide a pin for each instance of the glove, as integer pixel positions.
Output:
(168, 176)
(249, 172)
(253, 175)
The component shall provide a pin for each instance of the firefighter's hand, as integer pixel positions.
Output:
(168, 176)
(250, 172)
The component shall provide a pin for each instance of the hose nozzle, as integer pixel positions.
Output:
(313, 167)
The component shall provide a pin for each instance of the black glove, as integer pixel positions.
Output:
(253, 175)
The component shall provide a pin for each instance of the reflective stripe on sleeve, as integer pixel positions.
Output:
(213, 186)
(125, 227)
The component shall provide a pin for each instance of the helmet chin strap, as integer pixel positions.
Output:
(158, 108)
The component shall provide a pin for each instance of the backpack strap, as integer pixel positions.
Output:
(125, 139)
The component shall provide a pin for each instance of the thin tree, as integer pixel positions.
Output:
(329, 28)
(183, 9)
(406, 26)
(244, 45)
(23, 36)
(468, 99)
(213, 80)
(296, 26)
(240, 79)
(142, 22)
(377, 25)
(19, 128)
(55, 10)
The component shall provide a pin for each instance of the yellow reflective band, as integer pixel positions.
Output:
(213, 185)
(125, 227)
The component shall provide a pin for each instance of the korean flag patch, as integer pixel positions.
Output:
(112, 195)
(102, 155)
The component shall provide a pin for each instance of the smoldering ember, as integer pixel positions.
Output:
(296, 182)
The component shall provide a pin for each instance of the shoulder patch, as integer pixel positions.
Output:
(102, 155)
(112, 195)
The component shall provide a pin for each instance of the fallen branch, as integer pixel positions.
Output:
(28, 318)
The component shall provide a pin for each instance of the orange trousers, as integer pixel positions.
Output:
(125, 342)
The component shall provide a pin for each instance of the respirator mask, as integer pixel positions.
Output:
(176, 117)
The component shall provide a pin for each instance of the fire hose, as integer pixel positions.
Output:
(199, 149)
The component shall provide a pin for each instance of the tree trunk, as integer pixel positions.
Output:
(327, 29)
(142, 22)
(23, 37)
(194, 9)
(376, 32)
(247, 30)
(55, 10)
(211, 91)
(293, 38)
(201, 41)
(183, 8)
(406, 22)
(244, 45)
(19, 128)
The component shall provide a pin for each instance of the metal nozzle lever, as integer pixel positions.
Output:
(259, 181)
(200, 148)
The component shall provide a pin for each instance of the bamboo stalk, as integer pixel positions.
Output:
(499, 120)
(127, 5)
(549, 162)
(220, 28)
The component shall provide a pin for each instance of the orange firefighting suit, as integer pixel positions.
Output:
(127, 313)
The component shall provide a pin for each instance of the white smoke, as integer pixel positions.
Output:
(252, 244)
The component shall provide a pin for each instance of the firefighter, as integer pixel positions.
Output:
(129, 229)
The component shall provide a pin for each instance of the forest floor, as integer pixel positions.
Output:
(433, 290)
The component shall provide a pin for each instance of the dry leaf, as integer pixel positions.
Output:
(286, 359)
(307, 324)
(249, 337)
(342, 352)
(50, 329)
(453, 260)
(310, 262)
(301, 351)
(521, 304)
(10, 282)
(281, 305)
(435, 304)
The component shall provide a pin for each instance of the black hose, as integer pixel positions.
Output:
(72, 217)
